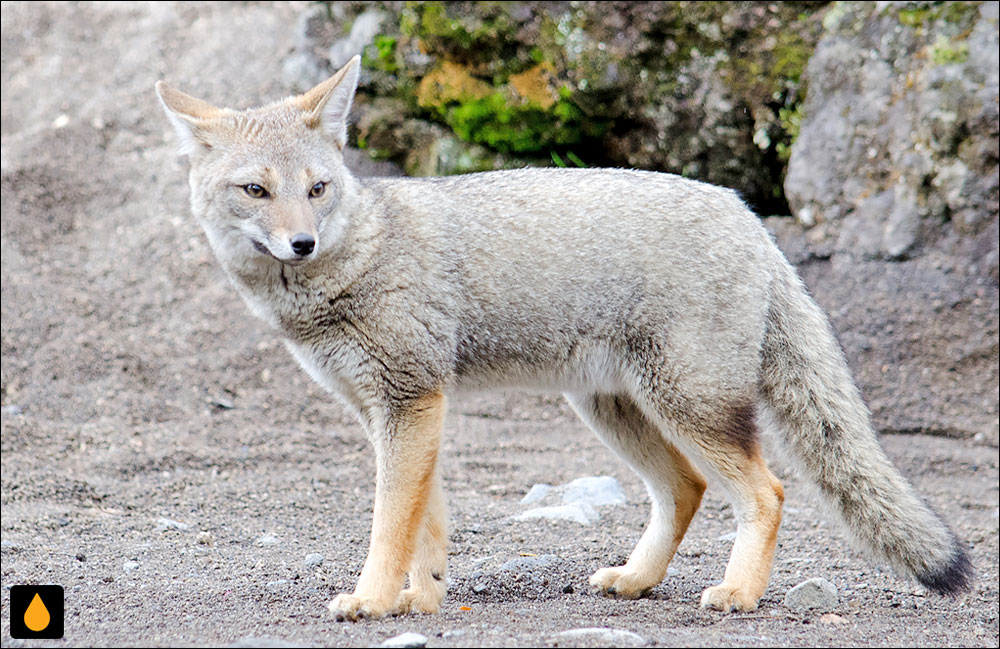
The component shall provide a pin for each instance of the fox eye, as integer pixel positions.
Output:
(254, 190)
(317, 190)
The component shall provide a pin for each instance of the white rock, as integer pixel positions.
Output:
(812, 594)
(605, 637)
(408, 639)
(164, 524)
(581, 513)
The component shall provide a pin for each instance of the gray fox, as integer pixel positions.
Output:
(659, 305)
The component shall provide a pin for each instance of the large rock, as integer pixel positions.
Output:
(898, 145)
(894, 182)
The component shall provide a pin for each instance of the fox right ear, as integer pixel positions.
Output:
(190, 117)
(328, 105)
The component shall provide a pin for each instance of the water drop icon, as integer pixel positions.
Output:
(36, 617)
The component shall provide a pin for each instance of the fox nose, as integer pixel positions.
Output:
(303, 244)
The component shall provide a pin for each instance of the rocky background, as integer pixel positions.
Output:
(875, 125)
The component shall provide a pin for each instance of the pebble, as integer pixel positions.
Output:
(812, 594)
(313, 560)
(206, 538)
(267, 539)
(165, 524)
(130, 566)
(603, 636)
(581, 513)
(831, 618)
(408, 639)
(728, 537)
(12, 410)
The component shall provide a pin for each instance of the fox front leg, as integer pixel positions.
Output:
(405, 486)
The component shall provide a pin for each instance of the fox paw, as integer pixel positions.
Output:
(353, 608)
(622, 582)
(726, 597)
(412, 600)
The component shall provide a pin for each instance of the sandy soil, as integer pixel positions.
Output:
(139, 393)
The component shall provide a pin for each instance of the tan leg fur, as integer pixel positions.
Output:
(757, 498)
(429, 566)
(408, 505)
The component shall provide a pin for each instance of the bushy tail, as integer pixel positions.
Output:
(806, 383)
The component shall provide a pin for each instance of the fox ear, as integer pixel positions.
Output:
(328, 104)
(190, 116)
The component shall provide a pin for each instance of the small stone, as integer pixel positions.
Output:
(165, 524)
(313, 560)
(812, 594)
(581, 513)
(479, 588)
(266, 540)
(130, 566)
(728, 537)
(12, 410)
(603, 637)
(408, 639)
(223, 403)
(206, 538)
(831, 618)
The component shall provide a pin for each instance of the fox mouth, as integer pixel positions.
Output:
(264, 250)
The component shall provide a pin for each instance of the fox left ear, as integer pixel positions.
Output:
(328, 104)
(191, 117)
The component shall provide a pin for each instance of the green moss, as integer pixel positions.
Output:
(382, 55)
(921, 15)
(944, 50)
(915, 16)
(790, 120)
(511, 127)
(481, 33)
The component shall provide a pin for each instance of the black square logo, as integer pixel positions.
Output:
(36, 612)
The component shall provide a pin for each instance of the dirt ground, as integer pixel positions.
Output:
(166, 461)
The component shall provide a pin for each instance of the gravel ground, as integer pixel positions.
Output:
(166, 462)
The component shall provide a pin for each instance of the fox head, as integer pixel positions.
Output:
(269, 183)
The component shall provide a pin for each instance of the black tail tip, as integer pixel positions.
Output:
(951, 579)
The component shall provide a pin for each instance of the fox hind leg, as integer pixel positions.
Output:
(675, 488)
(724, 445)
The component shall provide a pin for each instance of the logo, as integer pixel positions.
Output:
(36, 612)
